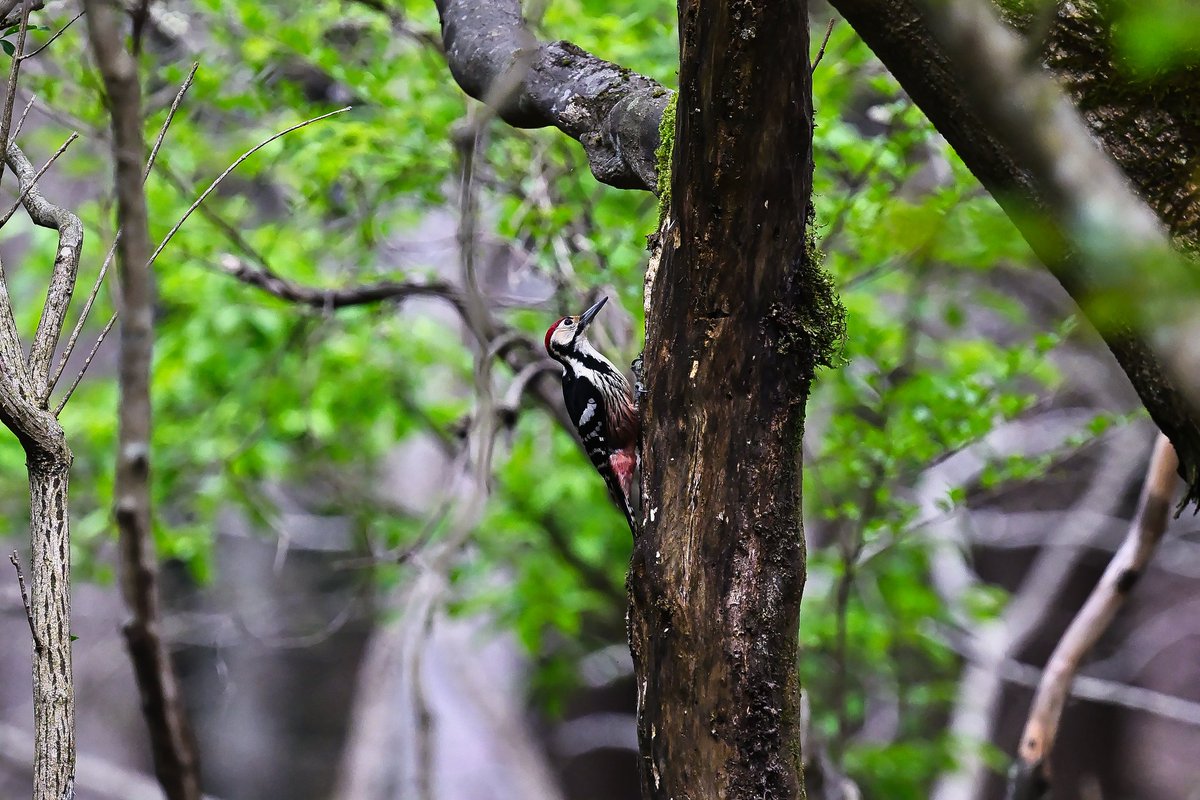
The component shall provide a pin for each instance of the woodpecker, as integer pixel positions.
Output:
(600, 404)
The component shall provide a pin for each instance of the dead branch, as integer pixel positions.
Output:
(175, 760)
(14, 559)
(1031, 775)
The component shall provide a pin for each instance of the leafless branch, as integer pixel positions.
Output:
(15, 560)
(172, 744)
(62, 277)
(824, 42)
(320, 298)
(25, 113)
(87, 362)
(14, 74)
(25, 192)
(237, 162)
(87, 308)
(50, 41)
(1030, 777)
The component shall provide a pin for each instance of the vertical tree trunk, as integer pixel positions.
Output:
(50, 602)
(738, 318)
(175, 761)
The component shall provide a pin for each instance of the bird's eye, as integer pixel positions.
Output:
(568, 323)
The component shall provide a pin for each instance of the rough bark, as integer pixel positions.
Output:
(170, 734)
(612, 111)
(1156, 147)
(48, 459)
(738, 318)
(53, 688)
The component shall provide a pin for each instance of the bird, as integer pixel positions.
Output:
(600, 403)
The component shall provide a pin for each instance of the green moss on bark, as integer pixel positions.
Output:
(663, 156)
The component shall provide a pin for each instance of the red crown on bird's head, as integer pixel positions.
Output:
(550, 331)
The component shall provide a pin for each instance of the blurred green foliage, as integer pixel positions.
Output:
(252, 393)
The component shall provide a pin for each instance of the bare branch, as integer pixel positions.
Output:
(87, 362)
(14, 559)
(175, 760)
(21, 122)
(319, 298)
(50, 41)
(237, 162)
(14, 74)
(87, 308)
(1030, 777)
(25, 192)
(613, 112)
(62, 277)
(824, 42)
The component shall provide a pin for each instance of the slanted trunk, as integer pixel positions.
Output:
(1151, 129)
(738, 317)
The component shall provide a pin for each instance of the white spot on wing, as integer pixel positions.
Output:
(588, 413)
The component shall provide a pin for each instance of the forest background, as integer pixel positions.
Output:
(367, 599)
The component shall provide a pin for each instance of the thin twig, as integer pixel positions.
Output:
(14, 74)
(21, 122)
(212, 187)
(162, 132)
(87, 308)
(108, 326)
(195, 205)
(825, 41)
(16, 562)
(50, 41)
(25, 192)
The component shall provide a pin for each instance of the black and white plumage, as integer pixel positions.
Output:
(600, 403)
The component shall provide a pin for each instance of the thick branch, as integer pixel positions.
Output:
(1030, 778)
(62, 277)
(613, 112)
(970, 84)
(170, 735)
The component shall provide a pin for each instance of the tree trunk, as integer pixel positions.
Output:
(50, 590)
(738, 318)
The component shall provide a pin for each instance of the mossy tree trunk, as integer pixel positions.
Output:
(738, 317)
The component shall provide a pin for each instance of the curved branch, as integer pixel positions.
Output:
(319, 298)
(1030, 776)
(62, 277)
(613, 112)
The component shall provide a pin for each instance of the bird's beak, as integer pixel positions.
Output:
(586, 318)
